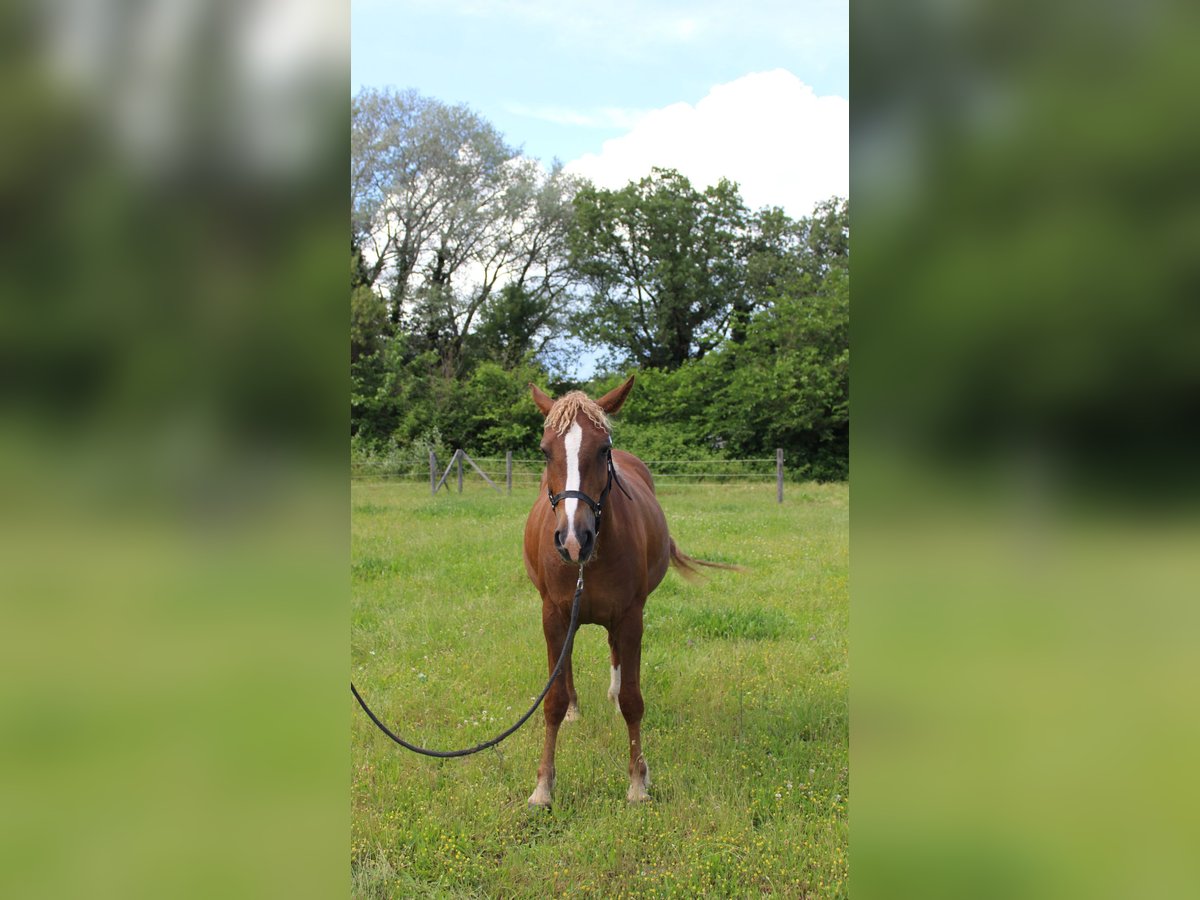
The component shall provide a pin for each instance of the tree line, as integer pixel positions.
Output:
(475, 270)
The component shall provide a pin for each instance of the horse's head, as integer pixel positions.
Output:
(577, 443)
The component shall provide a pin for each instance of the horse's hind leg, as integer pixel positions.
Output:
(629, 653)
(614, 679)
(554, 706)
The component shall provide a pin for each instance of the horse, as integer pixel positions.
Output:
(623, 565)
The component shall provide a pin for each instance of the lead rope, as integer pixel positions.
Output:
(446, 754)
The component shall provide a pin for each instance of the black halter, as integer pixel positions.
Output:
(597, 506)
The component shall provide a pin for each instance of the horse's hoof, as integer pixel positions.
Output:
(540, 799)
(637, 795)
(538, 807)
(572, 713)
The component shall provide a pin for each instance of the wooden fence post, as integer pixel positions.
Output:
(462, 454)
(433, 473)
(458, 456)
(508, 469)
(446, 474)
(779, 473)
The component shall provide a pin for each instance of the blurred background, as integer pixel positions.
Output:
(1026, 398)
(173, 548)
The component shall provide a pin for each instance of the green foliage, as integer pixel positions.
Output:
(663, 264)
(394, 458)
(399, 401)
(653, 441)
(788, 384)
(368, 321)
(495, 413)
(510, 326)
(785, 386)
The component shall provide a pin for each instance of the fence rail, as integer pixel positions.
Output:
(505, 472)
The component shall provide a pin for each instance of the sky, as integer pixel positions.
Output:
(756, 91)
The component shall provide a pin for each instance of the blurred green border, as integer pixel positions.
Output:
(1026, 396)
(174, 541)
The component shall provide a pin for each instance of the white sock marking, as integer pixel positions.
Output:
(614, 686)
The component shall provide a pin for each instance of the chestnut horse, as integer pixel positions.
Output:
(587, 484)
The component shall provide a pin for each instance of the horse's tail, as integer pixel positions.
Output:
(686, 565)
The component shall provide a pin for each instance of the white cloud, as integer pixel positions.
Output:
(768, 131)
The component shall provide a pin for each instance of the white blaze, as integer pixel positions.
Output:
(571, 442)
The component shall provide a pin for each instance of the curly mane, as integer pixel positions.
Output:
(569, 405)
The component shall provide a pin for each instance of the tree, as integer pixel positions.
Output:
(368, 315)
(445, 215)
(529, 310)
(780, 249)
(419, 170)
(664, 266)
(513, 326)
(786, 383)
(825, 238)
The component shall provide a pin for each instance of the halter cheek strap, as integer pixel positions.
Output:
(597, 506)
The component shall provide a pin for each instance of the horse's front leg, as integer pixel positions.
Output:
(627, 658)
(554, 626)
(572, 698)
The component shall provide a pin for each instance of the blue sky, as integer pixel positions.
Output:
(615, 87)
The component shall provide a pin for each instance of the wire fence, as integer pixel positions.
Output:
(504, 473)
(530, 472)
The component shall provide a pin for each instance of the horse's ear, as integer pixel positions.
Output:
(612, 401)
(539, 397)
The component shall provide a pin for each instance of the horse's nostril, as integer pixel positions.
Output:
(585, 546)
(558, 544)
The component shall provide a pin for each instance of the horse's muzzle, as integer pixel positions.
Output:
(575, 549)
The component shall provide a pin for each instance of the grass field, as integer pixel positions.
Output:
(745, 679)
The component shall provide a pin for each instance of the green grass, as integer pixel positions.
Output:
(744, 675)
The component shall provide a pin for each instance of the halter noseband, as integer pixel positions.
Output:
(597, 506)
